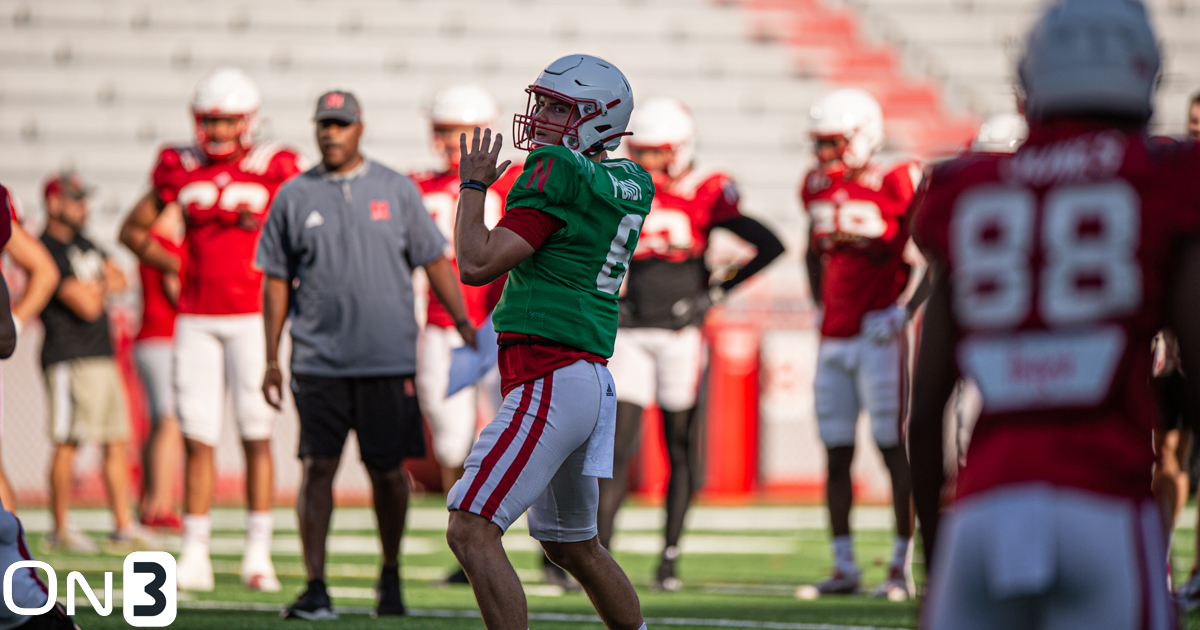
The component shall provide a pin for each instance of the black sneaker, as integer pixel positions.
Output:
(313, 604)
(458, 577)
(388, 588)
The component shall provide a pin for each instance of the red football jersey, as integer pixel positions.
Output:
(683, 214)
(1058, 259)
(224, 205)
(860, 228)
(439, 192)
(158, 314)
(10, 216)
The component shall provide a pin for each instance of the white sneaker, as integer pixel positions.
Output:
(193, 570)
(70, 541)
(897, 587)
(258, 572)
(839, 583)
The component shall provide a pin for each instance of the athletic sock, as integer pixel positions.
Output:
(197, 528)
(843, 554)
(901, 551)
(259, 526)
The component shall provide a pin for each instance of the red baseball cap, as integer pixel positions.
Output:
(68, 184)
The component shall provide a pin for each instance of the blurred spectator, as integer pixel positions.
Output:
(42, 277)
(338, 252)
(155, 353)
(87, 400)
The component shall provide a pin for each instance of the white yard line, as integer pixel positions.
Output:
(471, 614)
(632, 518)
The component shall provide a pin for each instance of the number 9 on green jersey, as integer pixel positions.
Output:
(567, 291)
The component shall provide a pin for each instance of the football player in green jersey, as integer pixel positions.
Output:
(571, 224)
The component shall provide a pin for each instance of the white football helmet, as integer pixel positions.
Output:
(596, 88)
(463, 104)
(1091, 57)
(854, 115)
(665, 123)
(1002, 133)
(226, 93)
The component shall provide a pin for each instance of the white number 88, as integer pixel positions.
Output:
(1089, 240)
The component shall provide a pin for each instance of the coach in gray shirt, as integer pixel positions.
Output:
(338, 251)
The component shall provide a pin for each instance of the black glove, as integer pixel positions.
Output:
(690, 311)
(625, 313)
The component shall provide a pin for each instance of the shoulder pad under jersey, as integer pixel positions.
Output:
(262, 156)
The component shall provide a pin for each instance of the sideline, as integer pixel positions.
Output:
(471, 614)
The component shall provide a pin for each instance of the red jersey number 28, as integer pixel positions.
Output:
(1089, 235)
(205, 195)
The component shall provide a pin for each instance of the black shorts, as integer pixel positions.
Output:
(1173, 391)
(382, 410)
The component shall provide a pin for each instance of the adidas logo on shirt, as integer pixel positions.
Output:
(609, 391)
(314, 219)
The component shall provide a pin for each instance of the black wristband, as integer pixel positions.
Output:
(473, 184)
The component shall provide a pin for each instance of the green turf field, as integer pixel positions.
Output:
(740, 567)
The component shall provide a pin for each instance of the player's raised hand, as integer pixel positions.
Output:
(479, 163)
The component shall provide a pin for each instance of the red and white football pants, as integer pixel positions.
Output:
(1040, 556)
(532, 455)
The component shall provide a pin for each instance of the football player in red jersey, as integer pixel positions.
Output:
(8, 325)
(1054, 268)
(659, 351)
(31, 256)
(154, 351)
(1171, 477)
(858, 273)
(456, 110)
(225, 183)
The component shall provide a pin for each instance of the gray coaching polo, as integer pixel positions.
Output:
(351, 242)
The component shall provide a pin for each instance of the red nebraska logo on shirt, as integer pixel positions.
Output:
(380, 211)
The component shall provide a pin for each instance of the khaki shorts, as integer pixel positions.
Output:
(87, 401)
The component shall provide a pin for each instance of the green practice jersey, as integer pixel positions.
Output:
(567, 290)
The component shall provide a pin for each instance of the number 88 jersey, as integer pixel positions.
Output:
(1058, 260)
(225, 205)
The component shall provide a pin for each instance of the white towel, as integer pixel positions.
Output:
(598, 460)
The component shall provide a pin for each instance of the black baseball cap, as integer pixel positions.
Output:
(338, 105)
